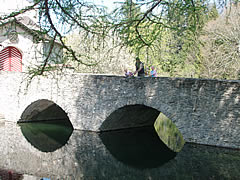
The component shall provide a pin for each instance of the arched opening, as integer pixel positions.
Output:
(45, 125)
(130, 116)
(10, 59)
(139, 136)
(43, 110)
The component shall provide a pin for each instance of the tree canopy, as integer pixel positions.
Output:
(162, 32)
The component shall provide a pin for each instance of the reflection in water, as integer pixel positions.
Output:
(138, 147)
(47, 136)
(10, 175)
(92, 156)
(169, 133)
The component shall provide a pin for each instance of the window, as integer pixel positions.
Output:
(10, 59)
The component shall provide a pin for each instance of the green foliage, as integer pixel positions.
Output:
(166, 38)
(168, 133)
(162, 33)
(213, 13)
(220, 46)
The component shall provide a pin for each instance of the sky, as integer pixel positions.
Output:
(108, 3)
(8, 6)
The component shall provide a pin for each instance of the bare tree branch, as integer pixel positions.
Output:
(60, 36)
(49, 54)
(144, 16)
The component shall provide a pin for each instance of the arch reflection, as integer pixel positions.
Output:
(139, 147)
(47, 136)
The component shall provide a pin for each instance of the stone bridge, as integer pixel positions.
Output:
(205, 111)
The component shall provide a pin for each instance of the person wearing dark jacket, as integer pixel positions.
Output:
(139, 68)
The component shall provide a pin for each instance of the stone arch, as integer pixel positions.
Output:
(167, 127)
(53, 129)
(11, 59)
(124, 108)
(43, 110)
(140, 115)
(128, 117)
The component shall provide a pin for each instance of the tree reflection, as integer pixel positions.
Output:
(169, 133)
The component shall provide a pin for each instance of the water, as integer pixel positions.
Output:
(35, 151)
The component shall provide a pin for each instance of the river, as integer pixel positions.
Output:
(56, 151)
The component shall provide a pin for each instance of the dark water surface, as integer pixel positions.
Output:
(54, 151)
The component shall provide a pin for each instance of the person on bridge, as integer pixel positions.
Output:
(128, 73)
(153, 72)
(139, 67)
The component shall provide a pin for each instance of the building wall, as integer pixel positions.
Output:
(31, 52)
(34, 53)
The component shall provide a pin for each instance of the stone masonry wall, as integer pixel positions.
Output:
(205, 111)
